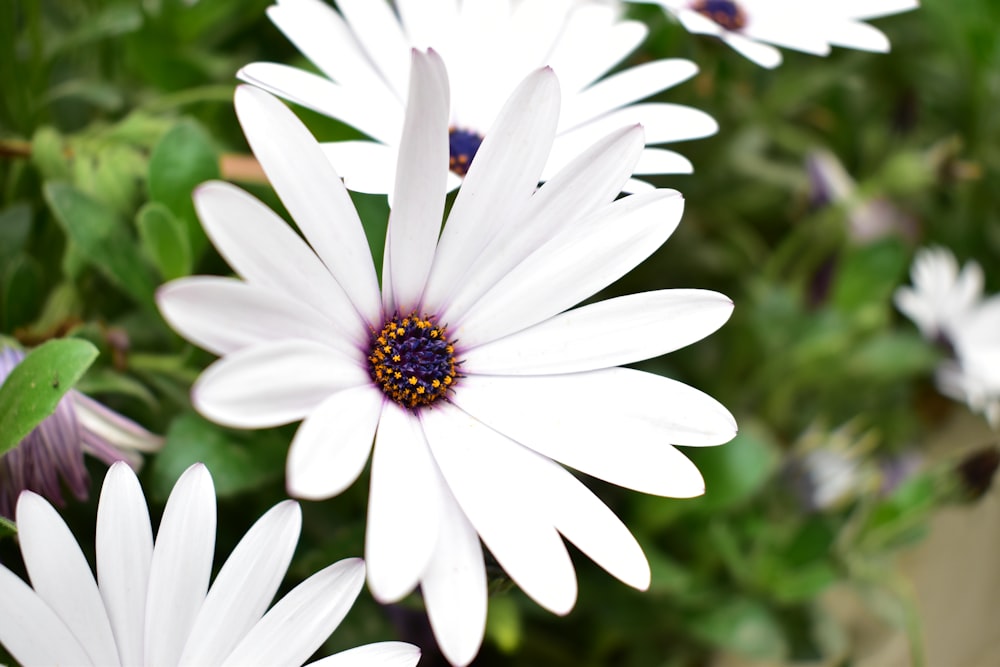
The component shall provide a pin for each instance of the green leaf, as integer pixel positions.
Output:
(15, 225)
(735, 471)
(743, 626)
(48, 154)
(868, 275)
(164, 239)
(503, 623)
(893, 356)
(183, 159)
(7, 528)
(103, 239)
(34, 388)
(239, 460)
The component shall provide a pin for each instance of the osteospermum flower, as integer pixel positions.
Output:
(462, 370)
(53, 452)
(151, 603)
(752, 26)
(363, 52)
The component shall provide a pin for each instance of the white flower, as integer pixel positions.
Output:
(489, 47)
(462, 370)
(752, 26)
(151, 604)
(941, 298)
(974, 377)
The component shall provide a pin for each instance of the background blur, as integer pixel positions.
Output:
(850, 523)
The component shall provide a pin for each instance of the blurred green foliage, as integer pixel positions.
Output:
(114, 110)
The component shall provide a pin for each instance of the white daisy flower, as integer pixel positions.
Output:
(941, 298)
(152, 605)
(463, 371)
(751, 27)
(974, 376)
(489, 46)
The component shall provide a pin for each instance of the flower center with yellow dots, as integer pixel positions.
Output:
(462, 147)
(726, 13)
(412, 360)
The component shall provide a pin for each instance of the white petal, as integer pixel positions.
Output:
(273, 383)
(30, 631)
(572, 266)
(404, 506)
(366, 166)
(593, 41)
(302, 620)
(382, 654)
(427, 22)
(369, 108)
(454, 586)
(331, 447)
(181, 566)
(695, 22)
(661, 161)
(591, 180)
(870, 9)
(312, 192)
(500, 180)
(377, 29)
(764, 55)
(224, 315)
(264, 250)
(661, 122)
(482, 469)
(124, 553)
(245, 585)
(857, 35)
(604, 334)
(62, 578)
(616, 424)
(625, 87)
(421, 180)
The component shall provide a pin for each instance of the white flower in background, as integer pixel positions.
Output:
(751, 27)
(948, 306)
(151, 604)
(52, 454)
(463, 371)
(488, 46)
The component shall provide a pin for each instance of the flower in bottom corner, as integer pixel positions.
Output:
(151, 603)
(468, 369)
(53, 451)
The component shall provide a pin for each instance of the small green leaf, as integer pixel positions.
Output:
(164, 239)
(103, 239)
(34, 388)
(743, 626)
(239, 460)
(48, 154)
(7, 528)
(503, 623)
(183, 159)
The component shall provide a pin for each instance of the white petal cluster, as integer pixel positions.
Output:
(947, 305)
(151, 603)
(363, 51)
(539, 383)
(809, 26)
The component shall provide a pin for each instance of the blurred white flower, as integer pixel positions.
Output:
(363, 51)
(465, 371)
(52, 453)
(752, 26)
(151, 604)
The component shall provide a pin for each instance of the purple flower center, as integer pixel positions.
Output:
(724, 12)
(412, 360)
(462, 147)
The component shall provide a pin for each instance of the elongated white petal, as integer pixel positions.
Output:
(454, 585)
(427, 22)
(181, 566)
(661, 122)
(593, 179)
(224, 315)
(421, 179)
(617, 424)
(404, 506)
(482, 469)
(500, 180)
(312, 192)
(62, 578)
(366, 166)
(857, 35)
(302, 620)
(370, 109)
(377, 29)
(572, 266)
(332, 445)
(381, 654)
(764, 55)
(625, 87)
(124, 553)
(30, 631)
(608, 333)
(245, 586)
(264, 250)
(592, 42)
(662, 161)
(273, 383)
